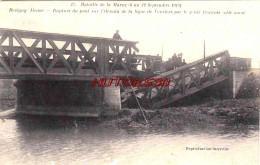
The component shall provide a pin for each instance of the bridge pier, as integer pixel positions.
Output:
(238, 78)
(68, 98)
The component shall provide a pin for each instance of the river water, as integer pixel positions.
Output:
(44, 142)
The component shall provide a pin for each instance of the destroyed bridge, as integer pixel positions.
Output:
(54, 73)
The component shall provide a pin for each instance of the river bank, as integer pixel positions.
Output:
(7, 99)
(211, 114)
(7, 95)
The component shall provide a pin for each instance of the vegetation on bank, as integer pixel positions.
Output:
(209, 115)
(7, 94)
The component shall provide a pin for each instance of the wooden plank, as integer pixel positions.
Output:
(19, 40)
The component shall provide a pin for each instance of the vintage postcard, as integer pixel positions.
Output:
(129, 82)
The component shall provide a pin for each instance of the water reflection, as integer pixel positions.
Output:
(69, 141)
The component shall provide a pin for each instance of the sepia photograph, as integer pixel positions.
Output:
(129, 82)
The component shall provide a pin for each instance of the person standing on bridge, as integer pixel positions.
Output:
(117, 37)
(183, 62)
(174, 61)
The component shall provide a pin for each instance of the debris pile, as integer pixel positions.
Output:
(209, 115)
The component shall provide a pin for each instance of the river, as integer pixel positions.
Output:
(43, 142)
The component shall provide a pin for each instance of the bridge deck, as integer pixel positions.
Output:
(37, 55)
(34, 55)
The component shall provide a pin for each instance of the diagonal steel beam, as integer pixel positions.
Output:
(86, 57)
(20, 63)
(125, 49)
(5, 66)
(135, 48)
(119, 58)
(92, 48)
(25, 56)
(56, 49)
(176, 82)
(17, 54)
(4, 37)
(19, 40)
(113, 48)
(193, 79)
(55, 59)
(83, 59)
(3, 54)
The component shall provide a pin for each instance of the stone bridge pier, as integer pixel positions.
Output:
(237, 79)
(240, 71)
(70, 98)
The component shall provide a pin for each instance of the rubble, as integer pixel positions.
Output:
(211, 114)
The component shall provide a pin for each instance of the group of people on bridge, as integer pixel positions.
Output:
(174, 62)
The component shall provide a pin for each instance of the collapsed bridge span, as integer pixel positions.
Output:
(185, 80)
(54, 73)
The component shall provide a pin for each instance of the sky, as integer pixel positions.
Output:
(239, 34)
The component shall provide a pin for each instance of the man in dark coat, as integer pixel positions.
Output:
(117, 36)
(183, 62)
(174, 61)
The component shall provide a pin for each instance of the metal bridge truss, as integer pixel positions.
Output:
(186, 80)
(37, 55)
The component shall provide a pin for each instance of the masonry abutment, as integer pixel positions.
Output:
(72, 98)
